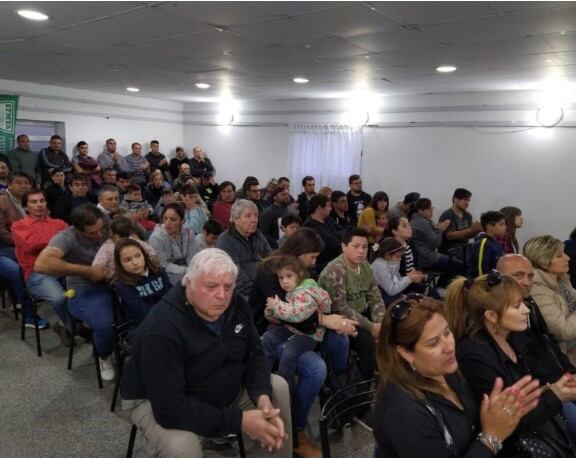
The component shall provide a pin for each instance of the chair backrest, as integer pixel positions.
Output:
(343, 405)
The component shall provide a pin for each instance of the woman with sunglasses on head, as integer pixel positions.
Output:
(424, 406)
(485, 313)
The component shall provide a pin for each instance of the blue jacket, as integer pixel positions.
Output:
(484, 254)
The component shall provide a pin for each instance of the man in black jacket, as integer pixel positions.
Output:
(198, 369)
(544, 357)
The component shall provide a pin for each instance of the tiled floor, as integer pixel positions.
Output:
(48, 411)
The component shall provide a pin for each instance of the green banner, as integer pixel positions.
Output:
(8, 110)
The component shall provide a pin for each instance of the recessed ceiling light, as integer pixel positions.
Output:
(300, 80)
(202, 85)
(133, 89)
(445, 68)
(34, 15)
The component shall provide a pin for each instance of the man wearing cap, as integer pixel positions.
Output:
(404, 208)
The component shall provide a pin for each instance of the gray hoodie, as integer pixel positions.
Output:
(174, 256)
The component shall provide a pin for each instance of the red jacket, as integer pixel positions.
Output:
(30, 236)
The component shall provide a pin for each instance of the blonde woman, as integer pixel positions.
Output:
(552, 290)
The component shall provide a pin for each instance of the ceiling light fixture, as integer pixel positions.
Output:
(300, 80)
(202, 85)
(34, 15)
(131, 89)
(446, 69)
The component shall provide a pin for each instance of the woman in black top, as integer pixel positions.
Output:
(484, 314)
(305, 244)
(424, 406)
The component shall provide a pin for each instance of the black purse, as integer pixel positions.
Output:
(553, 441)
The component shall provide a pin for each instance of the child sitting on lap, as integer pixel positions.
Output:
(304, 300)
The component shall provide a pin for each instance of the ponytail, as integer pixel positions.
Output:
(456, 307)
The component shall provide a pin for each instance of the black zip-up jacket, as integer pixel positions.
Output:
(544, 357)
(481, 361)
(405, 427)
(191, 375)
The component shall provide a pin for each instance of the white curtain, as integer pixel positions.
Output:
(329, 153)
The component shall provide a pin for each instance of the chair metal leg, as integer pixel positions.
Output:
(241, 448)
(71, 350)
(37, 333)
(131, 441)
(23, 326)
(325, 443)
(98, 373)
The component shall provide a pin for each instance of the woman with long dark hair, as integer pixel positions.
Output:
(514, 221)
(223, 205)
(312, 370)
(368, 217)
(424, 406)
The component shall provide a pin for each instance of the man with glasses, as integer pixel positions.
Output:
(357, 199)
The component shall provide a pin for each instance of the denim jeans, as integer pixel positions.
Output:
(10, 270)
(49, 289)
(294, 346)
(569, 409)
(93, 305)
(312, 371)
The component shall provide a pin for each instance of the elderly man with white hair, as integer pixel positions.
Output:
(198, 369)
(244, 243)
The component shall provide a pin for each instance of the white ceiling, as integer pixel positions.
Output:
(252, 50)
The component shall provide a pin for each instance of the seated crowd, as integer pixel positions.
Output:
(472, 344)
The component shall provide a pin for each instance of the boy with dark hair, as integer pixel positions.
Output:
(461, 227)
(349, 280)
(289, 224)
(138, 207)
(486, 250)
(209, 235)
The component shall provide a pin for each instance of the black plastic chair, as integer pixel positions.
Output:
(74, 323)
(134, 430)
(5, 288)
(31, 302)
(342, 405)
(122, 350)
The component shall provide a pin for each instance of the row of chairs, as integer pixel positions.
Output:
(338, 406)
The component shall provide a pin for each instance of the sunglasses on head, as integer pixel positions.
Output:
(402, 309)
(493, 278)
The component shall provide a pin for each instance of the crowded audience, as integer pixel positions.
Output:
(469, 345)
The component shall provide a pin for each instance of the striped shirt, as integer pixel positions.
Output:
(408, 258)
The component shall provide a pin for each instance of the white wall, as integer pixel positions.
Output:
(241, 151)
(486, 142)
(531, 169)
(94, 117)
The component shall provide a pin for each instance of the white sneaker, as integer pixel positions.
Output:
(107, 369)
